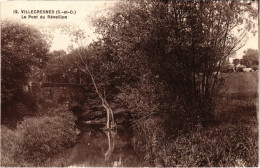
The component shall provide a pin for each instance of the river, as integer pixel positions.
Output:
(100, 148)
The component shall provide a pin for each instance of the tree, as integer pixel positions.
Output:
(58, 67)
(236, 62)
(184, 43)
(250, 57)
(95, 72)
(23, 48)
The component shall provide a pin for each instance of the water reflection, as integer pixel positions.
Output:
(111, 144)
(100, 148)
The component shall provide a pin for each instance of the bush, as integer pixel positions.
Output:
(144, 98)
(240, 69)
(36, 139)
(9, 144)
(255, 67)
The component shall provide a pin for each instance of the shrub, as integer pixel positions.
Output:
(36, 139)
(240, 69)
(9, 144)
(255, 67)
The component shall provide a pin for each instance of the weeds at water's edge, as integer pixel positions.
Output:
(231, 142)
(226, 145)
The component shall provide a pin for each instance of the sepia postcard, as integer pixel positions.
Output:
(160, 83)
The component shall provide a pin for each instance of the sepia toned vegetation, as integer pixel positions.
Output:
(160, 66)
(37, 139)
(232, 140)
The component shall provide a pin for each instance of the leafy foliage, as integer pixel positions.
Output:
(236, 62)
(22, 49)
(61, 68)
(36, 139)
(250, 58)
(184, 43)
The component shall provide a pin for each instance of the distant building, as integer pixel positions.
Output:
(247, 69)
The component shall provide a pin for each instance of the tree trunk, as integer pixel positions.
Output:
(110, 116)
(110, 120)
(110, 123)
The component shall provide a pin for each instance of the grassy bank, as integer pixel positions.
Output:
(232, 140)
(35, 139)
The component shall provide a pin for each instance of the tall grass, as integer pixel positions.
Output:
(224, 146)
(236, 108)
(232, 140)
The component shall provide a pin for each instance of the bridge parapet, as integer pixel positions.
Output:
(50, 84)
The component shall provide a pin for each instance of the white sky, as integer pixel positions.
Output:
(84, 9)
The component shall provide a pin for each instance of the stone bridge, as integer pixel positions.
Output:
(85, 108)
(59, 92)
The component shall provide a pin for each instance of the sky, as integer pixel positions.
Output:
(83, 10)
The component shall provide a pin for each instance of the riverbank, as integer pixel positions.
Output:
(36, 139)
(230, 141)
